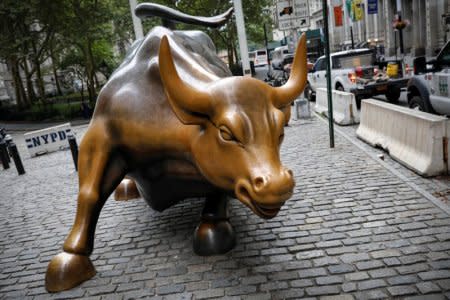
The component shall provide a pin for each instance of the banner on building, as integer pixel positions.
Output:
(338, 16)
(358, 10)
(372, 7)
(349, 8)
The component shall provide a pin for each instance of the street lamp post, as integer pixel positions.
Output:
(267, 49)
(137, 24)
(328, 72)
(240, 26)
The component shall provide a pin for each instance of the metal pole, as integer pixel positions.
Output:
(4, 154)
(351, 36)
(16, 157)
(329, 91)
(8, 140)
(137, 24)
(74, 149)
(243, 48)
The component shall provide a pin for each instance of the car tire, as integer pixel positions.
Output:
(418, 103)
(308, 93)
(393, 94)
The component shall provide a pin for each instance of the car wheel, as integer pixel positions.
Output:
(393, 94)
(308, 93)
(418, 103)
(339, 87)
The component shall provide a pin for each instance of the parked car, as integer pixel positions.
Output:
(353, 71)
(428, 89)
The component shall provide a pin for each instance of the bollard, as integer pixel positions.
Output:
(8, 140)
(4, 157)
(16, 157)
(73, 148)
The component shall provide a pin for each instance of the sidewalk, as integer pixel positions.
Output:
(12, 127)
(354, 229)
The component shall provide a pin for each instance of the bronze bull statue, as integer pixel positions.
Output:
(173, 120)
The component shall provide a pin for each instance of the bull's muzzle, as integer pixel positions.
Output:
(266, 194)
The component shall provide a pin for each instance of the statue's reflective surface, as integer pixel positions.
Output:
(173, 121)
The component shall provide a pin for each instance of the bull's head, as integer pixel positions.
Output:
(241, 126)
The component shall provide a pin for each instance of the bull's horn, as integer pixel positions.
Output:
(189, 104)
(285, 94)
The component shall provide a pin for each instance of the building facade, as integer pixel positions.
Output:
(427, 30)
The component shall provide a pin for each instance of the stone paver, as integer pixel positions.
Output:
(353, 229)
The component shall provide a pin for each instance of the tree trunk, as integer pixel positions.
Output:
(97, 84)
(37, 65)
(55, 73)
(30, 87)
(21, 99)
(89, 72)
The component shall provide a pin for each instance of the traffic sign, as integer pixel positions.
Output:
(292, 14)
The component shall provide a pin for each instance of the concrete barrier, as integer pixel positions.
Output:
(344, 106)
(416, 139)
(47, 140)
(301, 109)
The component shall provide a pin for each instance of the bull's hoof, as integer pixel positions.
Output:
(126, 190)
(67, 270)
(214, 237)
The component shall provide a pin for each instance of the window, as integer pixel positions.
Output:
(444, 58)
(320, 65)
(353, 60)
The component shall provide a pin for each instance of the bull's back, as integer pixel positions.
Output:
(135, 92)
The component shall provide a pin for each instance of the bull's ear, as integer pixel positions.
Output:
(285, 94)
(190, 105)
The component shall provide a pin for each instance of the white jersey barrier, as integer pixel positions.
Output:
(47, 140)
(416, 139)
(345, 111)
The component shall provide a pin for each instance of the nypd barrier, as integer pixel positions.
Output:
(47, 140)
(416, 139)
(344, 106)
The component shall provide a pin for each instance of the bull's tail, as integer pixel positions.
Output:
(171, 16)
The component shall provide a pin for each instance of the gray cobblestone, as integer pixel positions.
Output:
(381, 273)
(370, 264)
(371, 284)
(427, 287)
(339, 269)
(439, 274)
(397, 291)
(323, 290)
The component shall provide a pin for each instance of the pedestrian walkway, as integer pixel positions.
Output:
(12, 127)
(353, 230)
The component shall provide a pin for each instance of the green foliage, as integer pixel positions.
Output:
(80, 35)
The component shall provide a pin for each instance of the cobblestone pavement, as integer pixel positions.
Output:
(438, 187)
(352, 230)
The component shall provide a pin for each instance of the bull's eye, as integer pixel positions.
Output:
(281, 138)
(226, 134)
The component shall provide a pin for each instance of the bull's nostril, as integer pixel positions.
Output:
(290, 172)
(259, 182)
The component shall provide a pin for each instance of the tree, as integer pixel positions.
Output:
(255, 14)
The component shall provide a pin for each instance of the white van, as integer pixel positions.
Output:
(278, 55)
(260, 57)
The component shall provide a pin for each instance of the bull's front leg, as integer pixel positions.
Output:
(214, 235)
(100, 171)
